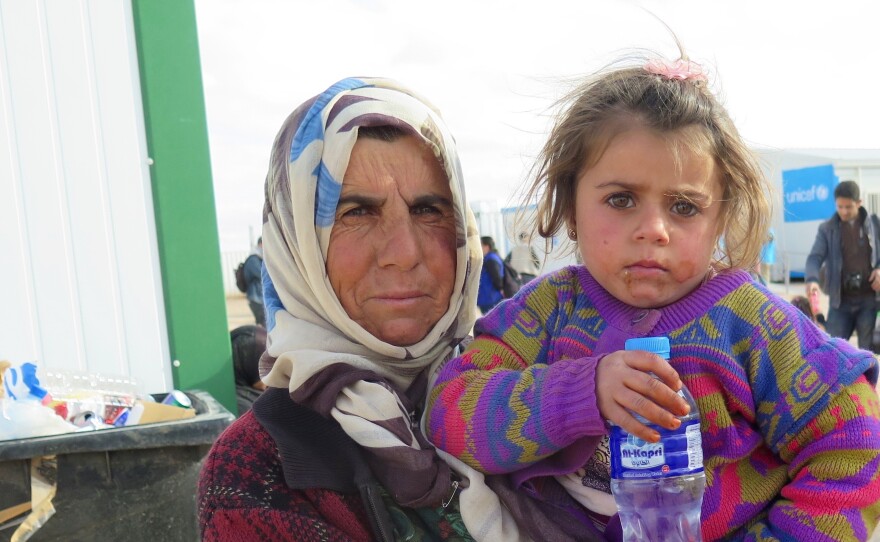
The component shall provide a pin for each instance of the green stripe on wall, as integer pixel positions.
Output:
(183, 196)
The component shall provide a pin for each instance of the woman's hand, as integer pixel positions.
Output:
(623, 384)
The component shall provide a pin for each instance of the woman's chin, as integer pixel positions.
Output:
(401, 332)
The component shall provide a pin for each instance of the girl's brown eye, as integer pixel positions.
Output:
(620, 201)
(685, 208)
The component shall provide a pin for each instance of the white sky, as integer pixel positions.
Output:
(793, 74)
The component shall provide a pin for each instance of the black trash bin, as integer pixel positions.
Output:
(127, 484)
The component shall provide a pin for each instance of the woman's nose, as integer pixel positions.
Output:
(400, 244)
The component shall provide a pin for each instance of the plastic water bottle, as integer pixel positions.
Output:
(658, 487)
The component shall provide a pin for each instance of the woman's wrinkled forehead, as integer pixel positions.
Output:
(373, 127)
(325, 135)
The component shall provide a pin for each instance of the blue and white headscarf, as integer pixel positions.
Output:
(310, 335)
(309, 158)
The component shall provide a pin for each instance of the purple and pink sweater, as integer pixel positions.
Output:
(790, 417)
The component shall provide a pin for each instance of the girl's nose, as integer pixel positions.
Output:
(653, 228)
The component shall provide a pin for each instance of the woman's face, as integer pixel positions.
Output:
(391, 258)
(646, 225)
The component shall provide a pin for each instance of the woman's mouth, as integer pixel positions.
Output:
(400, 298)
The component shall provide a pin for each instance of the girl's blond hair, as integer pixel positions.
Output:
(616, 99)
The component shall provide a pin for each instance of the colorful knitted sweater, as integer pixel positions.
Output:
(790, 417)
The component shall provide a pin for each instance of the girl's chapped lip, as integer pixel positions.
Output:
(647, 264)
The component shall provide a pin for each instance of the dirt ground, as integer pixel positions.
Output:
(238, 313)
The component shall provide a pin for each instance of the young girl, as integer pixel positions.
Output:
(645, 170)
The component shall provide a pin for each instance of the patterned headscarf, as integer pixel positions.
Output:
(327, 360)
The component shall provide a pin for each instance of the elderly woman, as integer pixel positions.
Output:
(372, 261)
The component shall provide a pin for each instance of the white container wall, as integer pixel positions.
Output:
(78, 256)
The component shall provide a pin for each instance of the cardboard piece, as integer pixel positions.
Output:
(3, 366)
(157, 412)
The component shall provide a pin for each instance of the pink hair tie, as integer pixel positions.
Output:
(682, 69)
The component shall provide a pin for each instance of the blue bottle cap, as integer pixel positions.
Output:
(656, 345)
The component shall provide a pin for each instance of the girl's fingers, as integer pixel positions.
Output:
(634, 427)
(639, 404)
(625, 386)
(660, 393)
(662, 388)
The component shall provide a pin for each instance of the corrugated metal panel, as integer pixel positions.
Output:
(78, 257)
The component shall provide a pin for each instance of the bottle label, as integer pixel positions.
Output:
(678, 452)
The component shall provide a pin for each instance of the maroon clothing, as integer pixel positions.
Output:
(284, 472)
(314, 490)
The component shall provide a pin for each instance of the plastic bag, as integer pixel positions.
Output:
(24, 412)
(86, 399)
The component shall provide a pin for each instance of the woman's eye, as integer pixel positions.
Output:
(355, 212)
(426, 210)
(685, 208)
(620, 201)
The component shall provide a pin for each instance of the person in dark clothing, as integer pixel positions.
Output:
(253, 269)
(248, 344)
(848, 245)
(491, 278)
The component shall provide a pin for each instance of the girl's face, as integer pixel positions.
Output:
(646, 226)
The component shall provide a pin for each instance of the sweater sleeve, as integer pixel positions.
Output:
(506, 403)
(833, 491)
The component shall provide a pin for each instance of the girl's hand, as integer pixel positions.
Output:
(623, 384)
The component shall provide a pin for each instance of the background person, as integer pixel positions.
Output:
(253, 266)
(248, 344)
(491, 277)
(646, 171)
(372, 263)
(804, 305)
(524, 259)
(848, 245)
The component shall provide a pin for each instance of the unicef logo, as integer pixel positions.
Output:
(817, 192)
